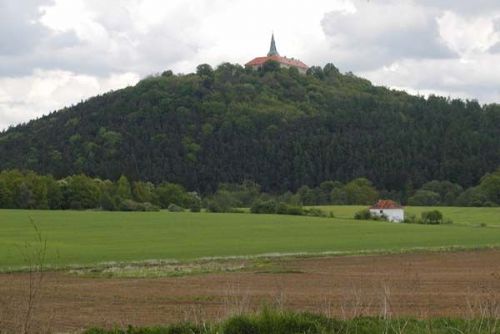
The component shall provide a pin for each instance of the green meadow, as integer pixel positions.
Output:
(459, 215)
(90, 237)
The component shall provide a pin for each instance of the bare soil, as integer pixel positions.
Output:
(459, 284)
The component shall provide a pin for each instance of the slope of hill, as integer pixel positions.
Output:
(276, 127)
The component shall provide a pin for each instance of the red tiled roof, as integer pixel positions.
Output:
(386, 204)
(283, 60)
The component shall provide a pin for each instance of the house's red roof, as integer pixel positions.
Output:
(386, 204)
(283, 60)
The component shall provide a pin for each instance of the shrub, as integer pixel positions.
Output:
(195, 206)
(221, 201)
(175, 208)
(433, 217)
(411, 219)
(270, 206)
(149, 206)
(315, 212)
(282, 208)
(294, 210)
(363, 215)
(108, 203)
(131, 205)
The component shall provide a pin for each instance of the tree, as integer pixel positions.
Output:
(360, 191)
(204, 70)
(271, 66)
(24, 197)
(4, 195)
(424, 198)
(170, 193)
(81, 192)
(490, 186)
(123, 189)
(446, 190)
(432, 217)
(338, 196)
(473, 196)
(307, 195)
(221, 201)
(143, 192)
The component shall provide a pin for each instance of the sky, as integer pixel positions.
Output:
(56, 53)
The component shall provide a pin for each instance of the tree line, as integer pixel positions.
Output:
(276, 127)
(29, 190)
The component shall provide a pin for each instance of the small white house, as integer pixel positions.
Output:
(389, 209)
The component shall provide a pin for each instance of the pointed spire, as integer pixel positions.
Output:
(272, 50)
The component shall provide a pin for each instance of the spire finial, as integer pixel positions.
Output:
(272, 50)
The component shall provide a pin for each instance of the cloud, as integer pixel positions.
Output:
(463, 7)
(475, 78)
(19, 30)
(380, 32)
(442, 47)
(466, 35)
(22, 98)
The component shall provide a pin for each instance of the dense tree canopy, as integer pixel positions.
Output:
(275, 127)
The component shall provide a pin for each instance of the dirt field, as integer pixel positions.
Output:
(421, 285)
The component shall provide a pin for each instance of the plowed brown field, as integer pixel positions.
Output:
(421, 285)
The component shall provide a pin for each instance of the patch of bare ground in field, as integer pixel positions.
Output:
(455, 284)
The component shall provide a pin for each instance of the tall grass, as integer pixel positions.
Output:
(271, 321)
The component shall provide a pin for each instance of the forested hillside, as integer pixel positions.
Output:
(276, 127)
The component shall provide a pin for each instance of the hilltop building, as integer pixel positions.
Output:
(273, 55)
(389, 209)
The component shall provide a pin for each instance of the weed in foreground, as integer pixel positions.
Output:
(271, 321)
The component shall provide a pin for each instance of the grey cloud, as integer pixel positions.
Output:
(19, 32)
(366, 48)
(495, 48)
(463, 7)
(25, 45)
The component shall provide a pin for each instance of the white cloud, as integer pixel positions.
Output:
(476, 78)
(23, 98)
(466, 35)
(379, 32)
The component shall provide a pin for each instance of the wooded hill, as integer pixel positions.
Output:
(276, 127)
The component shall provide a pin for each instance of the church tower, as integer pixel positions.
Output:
(272, 50)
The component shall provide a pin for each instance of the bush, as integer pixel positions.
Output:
(363, 215)
(131, 205)
(411, 219)
(433, 217)
(282, 208)
(294, 210)
(108, 203)
(260, 206)
(195, 206)
(315, 212)
(175, 208)
(149, 207)
(221, 201)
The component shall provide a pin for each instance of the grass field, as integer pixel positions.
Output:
(76, 237)
(459, 215)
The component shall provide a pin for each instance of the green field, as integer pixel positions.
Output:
(459, 215)
(88, 237)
